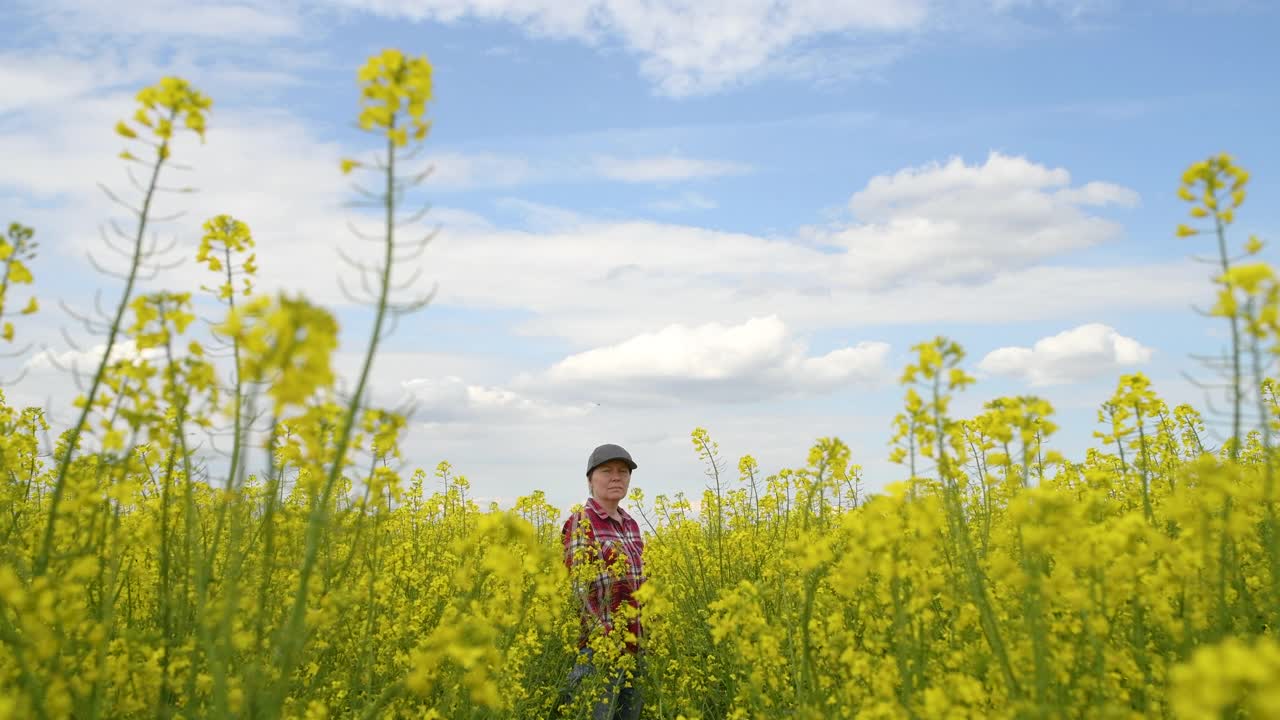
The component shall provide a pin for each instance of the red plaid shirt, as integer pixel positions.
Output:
(591, 536)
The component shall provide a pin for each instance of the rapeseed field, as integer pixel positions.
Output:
(308, 576)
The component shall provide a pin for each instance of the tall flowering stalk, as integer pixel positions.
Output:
(1247, 297)
(394, 92)
(163, 109)
(1215, 188)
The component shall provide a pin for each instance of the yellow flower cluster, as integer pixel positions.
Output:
(394, 92)
(1215, 187)
(393, 85)
(160, 106)
(224, 238)
(1233, 674)
(285, 341)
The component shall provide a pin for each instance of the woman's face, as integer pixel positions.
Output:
(611, 480)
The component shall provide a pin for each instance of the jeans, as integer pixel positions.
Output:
(620, 700)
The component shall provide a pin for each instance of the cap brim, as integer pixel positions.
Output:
(630, 463)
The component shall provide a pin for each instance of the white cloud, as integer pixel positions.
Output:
(684, 47)
(86, 361)
(1082, 353)
(48, 152)
(756, 360)
(41, 78)
(664, 168)
(956, 222)
(450, 399)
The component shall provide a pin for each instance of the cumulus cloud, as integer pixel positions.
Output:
(956, 222)
(684, 47)
(757, 359)
(1082, 353)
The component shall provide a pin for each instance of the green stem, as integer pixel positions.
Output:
(1237, 392)
(1145, 474)
(294, 632)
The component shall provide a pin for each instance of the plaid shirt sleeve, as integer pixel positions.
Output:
(592, 582)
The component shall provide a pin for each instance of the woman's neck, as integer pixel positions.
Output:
(610, 506)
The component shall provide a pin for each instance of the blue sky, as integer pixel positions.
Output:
(661, 214)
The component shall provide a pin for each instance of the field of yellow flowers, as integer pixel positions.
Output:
(308, 577)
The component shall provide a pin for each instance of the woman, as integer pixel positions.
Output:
(603, 550)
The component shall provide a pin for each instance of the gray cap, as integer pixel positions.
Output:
(605, 453)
